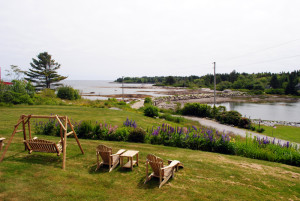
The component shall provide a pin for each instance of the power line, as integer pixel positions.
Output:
(272, 60)
(262, 50)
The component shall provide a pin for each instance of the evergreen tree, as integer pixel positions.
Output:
(290, 88)
(43, 72)
(274, 83)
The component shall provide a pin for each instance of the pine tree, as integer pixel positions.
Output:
(290, 88)
(43, 72)
(274, 82)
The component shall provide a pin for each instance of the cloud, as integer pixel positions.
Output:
(108, 39)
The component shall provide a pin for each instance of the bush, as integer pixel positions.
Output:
(196, 109)
(48, 93)
(67, 92)
(151, 111)
(137, 135)
(275, 91)
(148, 100)
(19, 92)
(244, 123)
(260, 130)
(230, 117)
(122, 134)
(169, 117)
(85, 130)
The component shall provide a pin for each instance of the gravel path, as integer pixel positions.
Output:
(138, 104)
(229, 129)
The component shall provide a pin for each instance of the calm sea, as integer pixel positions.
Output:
(108, 87)
(264, 111)
(267, 111)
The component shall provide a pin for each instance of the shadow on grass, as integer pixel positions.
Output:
(101, 170)
(41, 159)
(151, 184)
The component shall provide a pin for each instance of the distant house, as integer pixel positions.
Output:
(6, 83)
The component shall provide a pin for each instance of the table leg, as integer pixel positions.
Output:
(121, 161)
(131, 158)
(137, 159)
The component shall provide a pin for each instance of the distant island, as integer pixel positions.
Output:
(257, 83)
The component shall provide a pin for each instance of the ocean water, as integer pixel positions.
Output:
(108, 87)
(265, 111)
(280, 111)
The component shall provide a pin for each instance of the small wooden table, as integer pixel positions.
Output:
(1, 142)
(129, 155)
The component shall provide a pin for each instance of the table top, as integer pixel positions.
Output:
(129, 153)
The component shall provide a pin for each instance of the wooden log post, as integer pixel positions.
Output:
(9, 141)
(65, 144)
(75, 136)
(24, 130)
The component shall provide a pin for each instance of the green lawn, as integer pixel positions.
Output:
(288, 133)
(206, 176)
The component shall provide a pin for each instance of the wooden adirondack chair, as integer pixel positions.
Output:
(164, 173)
(112, 160)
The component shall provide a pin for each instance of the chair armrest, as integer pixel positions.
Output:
(172, 164)
(1, 139)
(121, 151)
(167, 167)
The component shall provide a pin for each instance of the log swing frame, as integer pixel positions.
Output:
(63, 121)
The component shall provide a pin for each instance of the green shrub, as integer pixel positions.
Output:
(275, 91)
(67, 92)
(244, 123)
(151, 111)
(122, 134)
(230, 117)
(19, 92)
(197, 109)
(85, 130)
(169, 117)
(47, 93)
(260, 130)
(148, 100)
(137, 135)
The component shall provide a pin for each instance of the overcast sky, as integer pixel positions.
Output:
(104, 40)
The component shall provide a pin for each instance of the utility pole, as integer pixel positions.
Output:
(214, 84)
(123, 88)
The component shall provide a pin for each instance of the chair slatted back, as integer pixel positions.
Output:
(104, 152)
(42, 146)
(156, 164)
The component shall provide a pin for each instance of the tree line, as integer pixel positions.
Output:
(271, 83)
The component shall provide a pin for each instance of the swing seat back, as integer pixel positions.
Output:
(43, 146)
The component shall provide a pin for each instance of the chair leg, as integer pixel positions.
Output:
(113, 167)
(148, 178)
(165, 180)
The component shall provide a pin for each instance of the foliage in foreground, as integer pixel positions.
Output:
(191, 138)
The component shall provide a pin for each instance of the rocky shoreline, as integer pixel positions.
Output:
(273, 123)
(186, 97)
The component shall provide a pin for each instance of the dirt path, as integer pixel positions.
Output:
(228, 129)
(138, 104)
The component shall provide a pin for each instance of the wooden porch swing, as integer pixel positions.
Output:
(33, 144)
